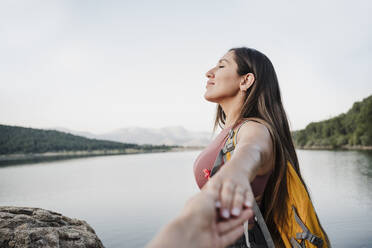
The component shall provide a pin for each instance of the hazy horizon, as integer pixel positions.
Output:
(59, 128)
(109, 65)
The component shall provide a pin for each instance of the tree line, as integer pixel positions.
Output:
(15, 139)
(345, 130)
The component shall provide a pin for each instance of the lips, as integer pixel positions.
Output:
(210, 83)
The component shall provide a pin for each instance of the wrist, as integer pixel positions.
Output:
(184, 224)
(248, 163)
(242, 169)
(170, 236)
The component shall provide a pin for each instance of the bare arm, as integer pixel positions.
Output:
(253, 156)
(254, 150)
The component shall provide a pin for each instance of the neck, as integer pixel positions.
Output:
(232, 108)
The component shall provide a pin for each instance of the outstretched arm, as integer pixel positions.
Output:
(253, 156)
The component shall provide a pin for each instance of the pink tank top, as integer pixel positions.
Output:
(206, 160)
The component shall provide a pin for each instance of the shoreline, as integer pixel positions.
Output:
(342, 148)
(21, 158)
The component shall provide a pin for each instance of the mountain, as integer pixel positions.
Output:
(353, 129)
(15, 140)
(176, 135)
(78, 133)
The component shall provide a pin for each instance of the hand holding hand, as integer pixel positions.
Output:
(212, 231)
(234, 190)
(198, 225)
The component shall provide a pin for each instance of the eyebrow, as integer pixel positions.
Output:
(222, 60)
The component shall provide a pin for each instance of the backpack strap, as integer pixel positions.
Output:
(261, 223)
(295, 244)
(306, 234)
(217, 163)
(221, 157)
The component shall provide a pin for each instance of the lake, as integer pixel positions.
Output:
(128, 198)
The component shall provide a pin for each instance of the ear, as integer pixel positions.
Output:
(247, 81)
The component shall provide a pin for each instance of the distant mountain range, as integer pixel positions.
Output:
(170, 136)
(353, 129)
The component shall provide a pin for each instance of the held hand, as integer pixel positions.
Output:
(198, 225)
(211, 232)
(234, 189)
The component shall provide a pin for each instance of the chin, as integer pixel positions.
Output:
(209, 98)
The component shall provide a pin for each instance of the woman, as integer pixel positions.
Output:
(244, 85)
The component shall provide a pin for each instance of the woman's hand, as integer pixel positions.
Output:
(234, 189)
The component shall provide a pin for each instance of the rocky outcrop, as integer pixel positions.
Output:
(35, 227)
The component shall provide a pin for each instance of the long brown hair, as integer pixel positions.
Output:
(263, 100)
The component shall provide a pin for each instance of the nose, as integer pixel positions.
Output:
(209, 74)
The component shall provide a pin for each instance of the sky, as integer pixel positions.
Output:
(98, 66)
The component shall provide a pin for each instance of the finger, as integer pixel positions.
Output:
(226, 226)
(230, 237)
(248, 202)
(237, 201)
(226, 198)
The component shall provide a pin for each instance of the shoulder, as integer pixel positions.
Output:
(257, 135)
(253, 131)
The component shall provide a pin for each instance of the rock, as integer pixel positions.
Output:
(35, 227)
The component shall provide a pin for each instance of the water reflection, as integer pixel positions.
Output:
(37, 160)
(364, 162)
(340, 183)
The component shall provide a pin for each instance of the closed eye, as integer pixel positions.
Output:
(221, 66)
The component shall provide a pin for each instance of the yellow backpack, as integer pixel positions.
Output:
(303, 228)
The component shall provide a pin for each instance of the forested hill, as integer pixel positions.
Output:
(353, 129)
(15, 139)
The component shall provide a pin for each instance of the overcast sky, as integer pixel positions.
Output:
(102, 65)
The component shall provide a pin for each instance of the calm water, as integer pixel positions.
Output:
(127, 198)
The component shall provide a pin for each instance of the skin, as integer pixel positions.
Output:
(253, 154)
(198, 224)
